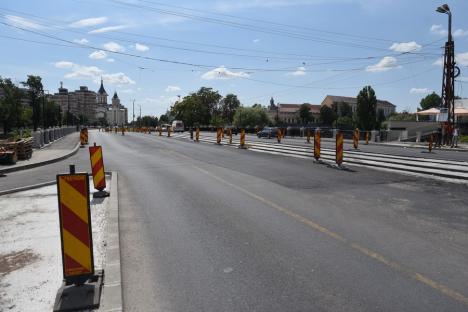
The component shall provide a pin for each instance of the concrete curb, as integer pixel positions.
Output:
(42, 163)
(111, 299)
(26, 188)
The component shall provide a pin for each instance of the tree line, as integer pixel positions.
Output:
(27, 107)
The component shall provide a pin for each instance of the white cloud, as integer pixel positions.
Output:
(438, 30)
(462, 59)
(460, 33)
(113, 46)
(141, 47)
(22, 22)
(256, 40)
(110, 60)
(223, 73)
(107, 29)
(403, 47)
(117, 78)
(93, 73)
(127, 91)
(98, 55)
(301, 71)
(385, 64)
(439, 61)
(87, 22)
(64, 64)
(173, 88)
(81, 41)
(420, 91)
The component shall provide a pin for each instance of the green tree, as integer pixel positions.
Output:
(366, 108)
(430, 101)
(304, 113)
(229, 105)
(147, 121)
(327, 115)
(344, 122)
(163, 118)
(11, 110)
(251, 117)
(380, 118)
(403, 116)
(36, 90)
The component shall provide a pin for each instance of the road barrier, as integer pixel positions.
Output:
(339, 148)
(218, 135)
(431, 142)
(75, 227)
(197, 135)
(230, 135)
(317, 144)
(308, 135)
(278, 135)
(356, 138)
(169, 132)
(97, 169)
(160, 131)
(123, 131)
(84, 136)
(367, 137)
(222, 132)
(242, 139)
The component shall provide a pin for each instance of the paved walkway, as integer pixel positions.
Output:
(57, 150)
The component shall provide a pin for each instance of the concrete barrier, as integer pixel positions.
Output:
(45, 133)
(38, 140)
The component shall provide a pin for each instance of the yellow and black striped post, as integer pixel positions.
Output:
(339, 148)
(75, 227)
(367, 137)
(317, 144)
(242, 138)
(356, 138)
(218, 135)
(308, 135)
(197, 135)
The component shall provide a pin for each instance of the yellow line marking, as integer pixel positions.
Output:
(76, 250)
(367, 252)
(74, 200)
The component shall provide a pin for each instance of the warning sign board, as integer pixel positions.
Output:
(75, 225)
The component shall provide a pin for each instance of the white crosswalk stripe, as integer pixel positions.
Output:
(453, 171)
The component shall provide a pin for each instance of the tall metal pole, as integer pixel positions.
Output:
(451, 71)
(133, 118)
(140, 117)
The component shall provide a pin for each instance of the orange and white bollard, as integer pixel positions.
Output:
(169, 132)
(197, 135)
(431, 142)
(308, 135)
(218, 135)
(278, 135)
(242, 139)
(356, 138)
(367, 137)
(230, 136)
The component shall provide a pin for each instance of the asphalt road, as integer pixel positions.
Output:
(215, 228)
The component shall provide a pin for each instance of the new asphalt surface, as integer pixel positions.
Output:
(214, 228)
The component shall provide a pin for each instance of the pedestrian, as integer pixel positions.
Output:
(455, 137)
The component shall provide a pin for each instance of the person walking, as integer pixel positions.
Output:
(455, 137)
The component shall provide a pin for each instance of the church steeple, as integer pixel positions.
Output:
(102, 94)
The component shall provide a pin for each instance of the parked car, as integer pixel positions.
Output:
(267, 132)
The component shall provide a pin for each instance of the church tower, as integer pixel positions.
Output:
(102, 95)
(115, 100)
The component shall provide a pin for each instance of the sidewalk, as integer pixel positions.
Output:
(56, 151)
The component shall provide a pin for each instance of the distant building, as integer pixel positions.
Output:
(116, 114)
(387, 107)
(289, 113)
(87, 103)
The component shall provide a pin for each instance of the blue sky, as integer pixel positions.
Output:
(294, 50)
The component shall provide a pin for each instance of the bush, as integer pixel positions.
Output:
(464, 139)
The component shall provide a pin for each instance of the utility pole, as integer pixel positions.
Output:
(140, 117)
(133, 118)
(451, 71)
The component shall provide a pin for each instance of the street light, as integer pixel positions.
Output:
(450, 70)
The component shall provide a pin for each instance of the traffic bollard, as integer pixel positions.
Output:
(356, 138)
(278, 135)
(169, 132)
(197, 135)
(317, 144)
(242, 139)
(367, 137)
(230, 136)
(97, 169)
(218, 135)
(82, 138)
(431, 141)
(339, 148)
(308, 135)
(160, 130)
(191, 133)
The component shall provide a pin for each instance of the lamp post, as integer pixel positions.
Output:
(451, 71)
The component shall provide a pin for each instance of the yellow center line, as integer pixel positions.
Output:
(363, 250)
